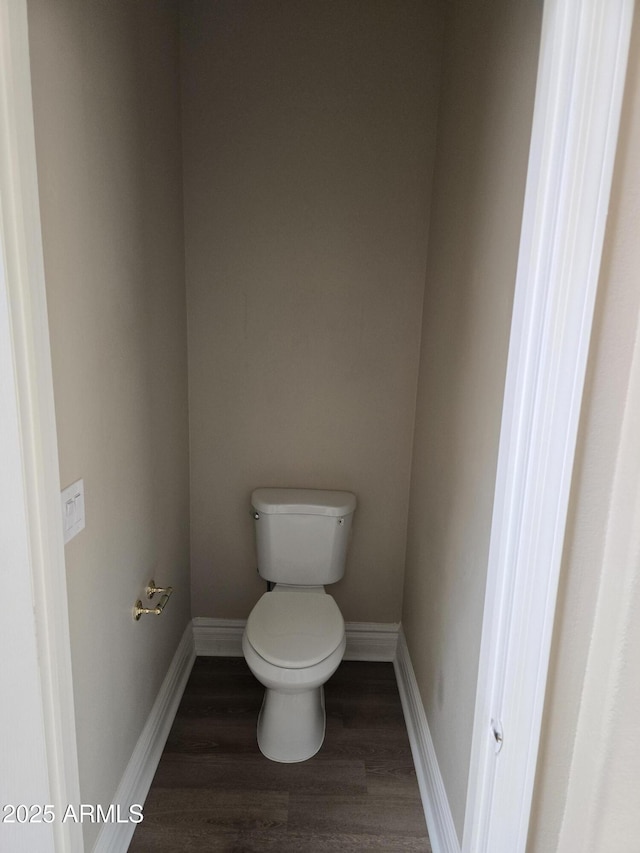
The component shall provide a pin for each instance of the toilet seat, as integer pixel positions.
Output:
(295, 630)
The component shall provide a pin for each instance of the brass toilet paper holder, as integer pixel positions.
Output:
(152, 590)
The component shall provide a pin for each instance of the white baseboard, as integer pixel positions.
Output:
(374, 641)
(136, 780)
(371, 641)
(218, 637)
(442, 831)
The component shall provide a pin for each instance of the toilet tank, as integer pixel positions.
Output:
(302, 534)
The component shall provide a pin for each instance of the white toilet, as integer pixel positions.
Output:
(295, 637)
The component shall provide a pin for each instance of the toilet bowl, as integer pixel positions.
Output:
(293, 643)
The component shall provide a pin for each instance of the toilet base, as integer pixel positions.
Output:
(291, 726)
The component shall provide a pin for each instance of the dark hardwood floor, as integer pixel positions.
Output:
(215, 791)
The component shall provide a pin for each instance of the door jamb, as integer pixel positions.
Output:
(581, 73)
(20, 231)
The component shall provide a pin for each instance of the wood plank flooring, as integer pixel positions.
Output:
(214, 790)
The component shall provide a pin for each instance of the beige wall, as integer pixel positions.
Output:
(309, 134)
(586, 794)
(108, 147)
(489, 72)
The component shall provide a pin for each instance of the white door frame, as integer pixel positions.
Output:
(30, 495)
(581, 76)
(578, 97)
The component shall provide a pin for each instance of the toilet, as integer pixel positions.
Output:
(295, 637)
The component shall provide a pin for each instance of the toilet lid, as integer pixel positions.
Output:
(295, 629)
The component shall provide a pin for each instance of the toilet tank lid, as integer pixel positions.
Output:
(303, 502)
